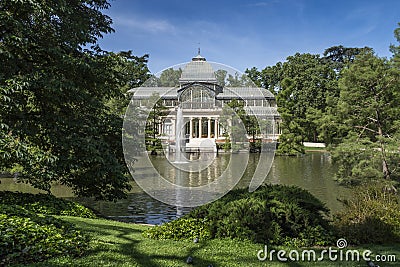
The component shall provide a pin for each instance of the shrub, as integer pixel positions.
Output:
(45, 204)
(274, 214)
(371, 216)
(28, 237)
(179, 229)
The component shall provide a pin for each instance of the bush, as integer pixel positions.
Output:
(371, 216)
(28, 237)
(45, 204)
(225, 146)
(179, 229)
(273, 214)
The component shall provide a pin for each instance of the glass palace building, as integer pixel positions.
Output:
(202, 92)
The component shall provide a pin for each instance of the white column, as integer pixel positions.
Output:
(216, 130)
(219, 130)
(209, 128)
(190, 128)
(173, 126)
(200, 126)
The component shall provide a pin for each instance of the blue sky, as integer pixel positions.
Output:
(245, 34)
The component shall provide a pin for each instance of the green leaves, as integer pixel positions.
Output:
(306, 84)
(368, 108)
(29, 234)
(28, 237)
(357, 160)
(307, 92)
(45, 204)
(272, 214)
(154, 120)
(58, 110)
(169, 77)
(373, 210)
(180, 230)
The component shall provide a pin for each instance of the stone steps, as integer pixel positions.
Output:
(202, 144)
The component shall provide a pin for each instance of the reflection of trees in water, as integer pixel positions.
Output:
(313, 172)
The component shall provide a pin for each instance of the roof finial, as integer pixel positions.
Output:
(198, 57)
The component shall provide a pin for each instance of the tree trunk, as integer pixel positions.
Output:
(385, 167)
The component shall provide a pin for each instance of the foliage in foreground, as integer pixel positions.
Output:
(28, 237)
(121, 244)
(60, 120)
(371, 216)
(184, 228)
(45, 204)
(273, 214)
(29, 234)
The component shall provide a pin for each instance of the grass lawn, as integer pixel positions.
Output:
(121, 244)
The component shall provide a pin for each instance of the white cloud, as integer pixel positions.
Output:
(262, 3)
(145, 25)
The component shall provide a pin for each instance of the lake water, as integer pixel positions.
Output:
(313, 172)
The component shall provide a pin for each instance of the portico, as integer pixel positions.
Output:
(208, 129)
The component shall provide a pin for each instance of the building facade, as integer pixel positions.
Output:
(202, 99)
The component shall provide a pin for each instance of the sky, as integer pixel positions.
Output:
(246, 34)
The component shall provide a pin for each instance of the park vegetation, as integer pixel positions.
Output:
(61, 97)
(273, 214)
(29, 232)
(346, 98)
(62, 102)
(289, 216)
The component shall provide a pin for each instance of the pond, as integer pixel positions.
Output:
(314, 172)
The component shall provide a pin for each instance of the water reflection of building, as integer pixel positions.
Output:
(202, 98)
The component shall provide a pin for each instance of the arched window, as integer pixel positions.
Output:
(197, 97)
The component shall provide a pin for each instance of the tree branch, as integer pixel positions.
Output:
(366, 128)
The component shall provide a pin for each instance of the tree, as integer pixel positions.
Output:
(368, 107)
(396, 49)
(220, 75)
(252, 126)
(307, 92)
(271, 77)
(306, 84)
(240, 125)
(55, 82)
(232, 121)
(153, 122)
(136, 71)
(339, 56)
(238, 80)
(255, 75)
(170, 77)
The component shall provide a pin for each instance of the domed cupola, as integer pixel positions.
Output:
(198, 70)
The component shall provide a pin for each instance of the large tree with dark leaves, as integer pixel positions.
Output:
(307, 84)
(54, 85)
(340, 56)
(369, 108)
